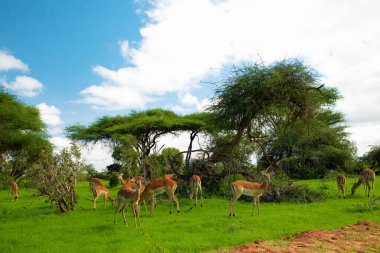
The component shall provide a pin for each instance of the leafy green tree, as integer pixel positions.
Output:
(372, 157)
(22, 134)
(310, 149)
(146, 128)
(255, 94)
(173, 159)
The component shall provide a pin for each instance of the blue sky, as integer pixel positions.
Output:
(80, 60)
(61, 40)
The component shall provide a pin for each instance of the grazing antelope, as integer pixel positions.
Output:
(341, 182)
(253, 189)
(195, 187)
(14, 190)
(99, 190)
(157, 186)
(128, 195)
(365, 177)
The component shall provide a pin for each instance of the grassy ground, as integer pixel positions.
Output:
(30, 225)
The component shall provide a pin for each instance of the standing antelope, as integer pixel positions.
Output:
(365, 177)
(128, 195)
(157, 186)
(129, 183)
(93, 182)
(14, 190)
(195, 187)
(253, 189)
(126, 181)
(99, 190)
(341, 182)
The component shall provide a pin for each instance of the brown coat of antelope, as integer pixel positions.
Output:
(195, 187)
(128, 195)
(157, 186)
(93, 182)
(99, 190)
(365, 177)
(341, 183)
(254, 189)
(125, 182)
(14, 190)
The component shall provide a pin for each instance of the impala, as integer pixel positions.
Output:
(365, 177)
(127, 181)
(99, 190)
(128, 195)
(341, 182)
(93, 182)
(157, 186)
(247, 188)
(14, 190)
(195, 187)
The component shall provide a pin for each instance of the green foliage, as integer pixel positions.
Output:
(22, 134)
(372, 157)
(285, 111)
(56, 177)
(135, 136)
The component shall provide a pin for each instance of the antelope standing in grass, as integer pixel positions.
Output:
(14, 190)
(99, 190)
(157, 186)
(93, 182)
(195, 187)
(126, 182)
(341, 182)
(366, 177)
(128, 195)
(254, 189)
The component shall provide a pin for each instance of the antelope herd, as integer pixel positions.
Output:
(134, 192)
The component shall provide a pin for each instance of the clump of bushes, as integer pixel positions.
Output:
(298, 193)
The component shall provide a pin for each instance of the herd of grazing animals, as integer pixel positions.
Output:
(134, 192)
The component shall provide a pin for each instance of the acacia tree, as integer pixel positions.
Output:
(22, 134)
(146, 128)
(249, 101)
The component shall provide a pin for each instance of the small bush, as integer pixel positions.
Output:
(113, 180)
(293, 193)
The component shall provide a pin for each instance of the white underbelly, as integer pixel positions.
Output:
(249, 192)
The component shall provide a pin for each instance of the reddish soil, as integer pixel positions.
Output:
(363, 237)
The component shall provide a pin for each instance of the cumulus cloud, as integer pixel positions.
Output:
(9, 62)
(24, 86)
(188, 99)
(186, 41)
(50, 114)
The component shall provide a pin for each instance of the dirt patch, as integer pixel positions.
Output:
(363, 237)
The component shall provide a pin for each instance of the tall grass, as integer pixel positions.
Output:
(30, 225)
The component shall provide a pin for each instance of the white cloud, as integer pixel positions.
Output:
(124, 49)
(24, 86)
(50, 114)
(9, 62)
(188, 99)
(185, 41)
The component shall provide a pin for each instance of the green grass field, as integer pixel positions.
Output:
(30, 225)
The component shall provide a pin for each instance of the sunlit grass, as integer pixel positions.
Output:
(30, 225)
